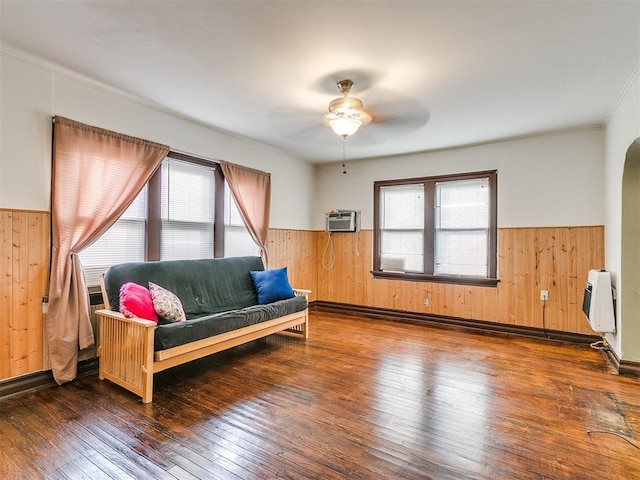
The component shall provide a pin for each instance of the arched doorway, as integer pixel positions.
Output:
(629, 323)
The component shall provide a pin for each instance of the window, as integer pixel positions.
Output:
(188, 215)
(123, 242)
(237, 240)
(174, 217)
(437, 228)
(402, 228)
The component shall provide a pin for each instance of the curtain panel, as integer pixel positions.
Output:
(96, 175)
(251, 189)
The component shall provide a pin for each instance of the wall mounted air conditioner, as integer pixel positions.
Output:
(343, 221)
(598, 303)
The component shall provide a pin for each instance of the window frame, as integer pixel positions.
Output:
(153, 213)
(429, 231)
(154, 207)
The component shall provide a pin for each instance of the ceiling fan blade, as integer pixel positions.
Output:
(300, 125)
(372, 134)
(391, 119)
(401, 112)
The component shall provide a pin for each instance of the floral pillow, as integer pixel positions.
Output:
(166, 304)
(135, 301)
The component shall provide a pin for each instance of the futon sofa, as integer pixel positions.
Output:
(223, 305)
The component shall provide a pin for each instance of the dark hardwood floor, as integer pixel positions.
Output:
(361, 398)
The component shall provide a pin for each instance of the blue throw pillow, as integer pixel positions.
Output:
(272, 285)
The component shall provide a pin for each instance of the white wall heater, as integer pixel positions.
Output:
(598, 303)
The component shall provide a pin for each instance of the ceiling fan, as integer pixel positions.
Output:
(346, 114)
(388, 113)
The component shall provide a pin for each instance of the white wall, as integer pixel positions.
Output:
(32, 93)
(545, 180)
(621, 130)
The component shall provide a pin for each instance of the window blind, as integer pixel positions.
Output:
(188, 193)
(402, 228)
(462, 227)
(123, 242)
(237, 241)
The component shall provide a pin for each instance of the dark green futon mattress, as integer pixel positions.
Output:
(170, 335)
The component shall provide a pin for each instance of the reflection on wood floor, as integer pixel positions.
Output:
(361, 398)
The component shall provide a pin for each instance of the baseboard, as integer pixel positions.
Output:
(622, 367)
(631, 369)
(612, 358)
(39, 380)
(454, 322)
(36, 381)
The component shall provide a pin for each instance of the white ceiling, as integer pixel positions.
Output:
(435, 74)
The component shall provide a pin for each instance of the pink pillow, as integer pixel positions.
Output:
(135, 301)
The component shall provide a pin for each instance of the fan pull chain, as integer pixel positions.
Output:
(344, 155)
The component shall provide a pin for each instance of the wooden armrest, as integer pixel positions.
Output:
(300, 292)
(118, 316)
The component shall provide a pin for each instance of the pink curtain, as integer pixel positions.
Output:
(251, 190)
(96, 174)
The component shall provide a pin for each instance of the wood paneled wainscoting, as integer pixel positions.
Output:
(556, 259)
(24, 272)
(296, 250)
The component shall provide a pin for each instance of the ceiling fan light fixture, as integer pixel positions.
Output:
(344, 126)
(346, 114)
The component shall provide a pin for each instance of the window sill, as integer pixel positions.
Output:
(417, 277)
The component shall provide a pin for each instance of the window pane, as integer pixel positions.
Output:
(401, 251)
(402, 223)
(462, 204)
(123, 242)
(402, 207)
(461, 253)
(462, 227)
(237, 241)
(186, 240)
(188, 193)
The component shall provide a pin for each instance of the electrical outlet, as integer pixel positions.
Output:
(544, 295)
(425, 301)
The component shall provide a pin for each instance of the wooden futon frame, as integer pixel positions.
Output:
(127, 357)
